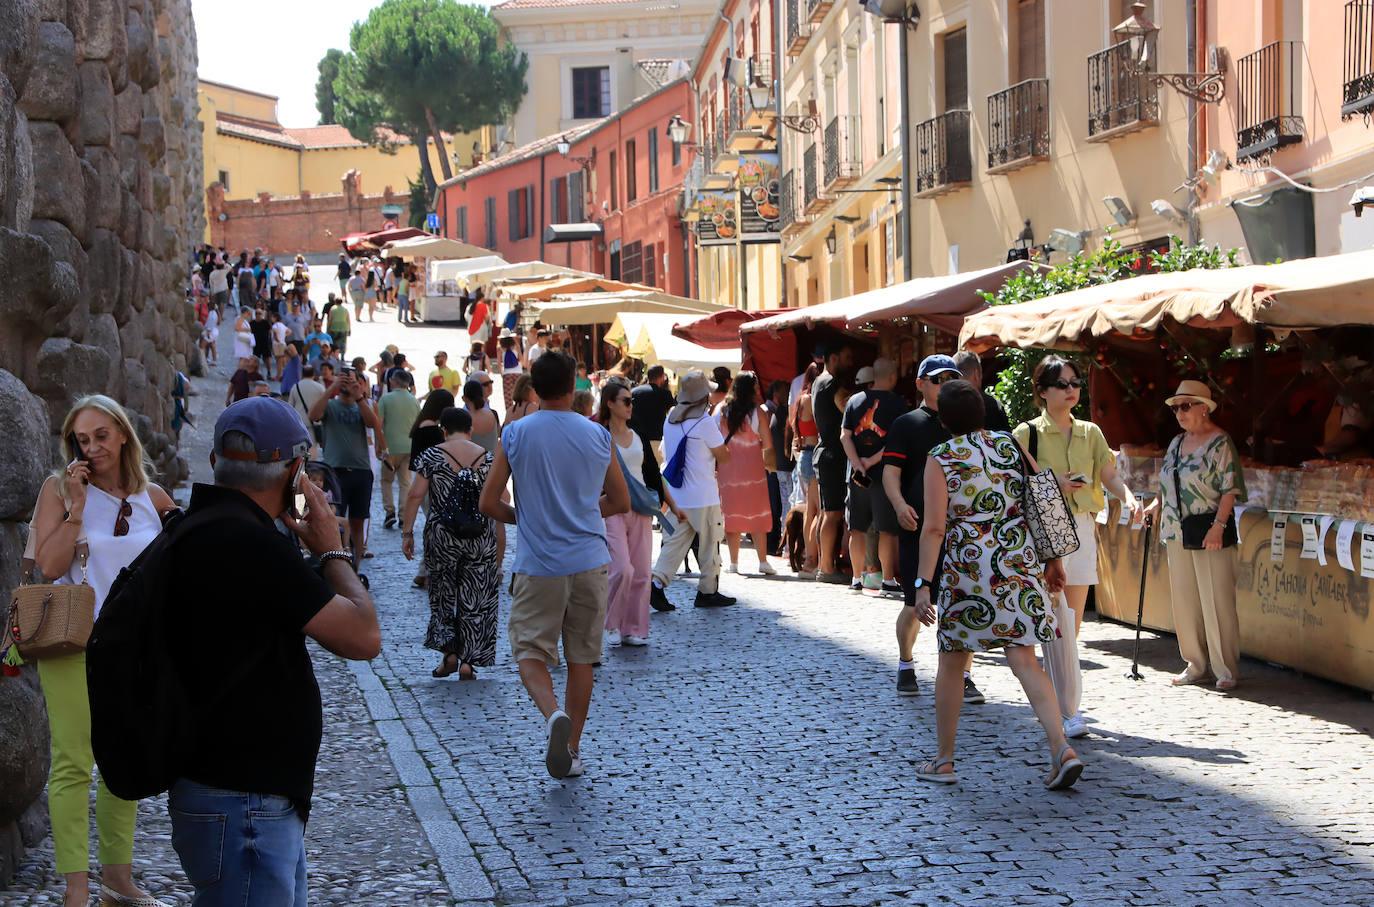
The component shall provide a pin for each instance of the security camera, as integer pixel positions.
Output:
(1169, 212)
(1363, 196)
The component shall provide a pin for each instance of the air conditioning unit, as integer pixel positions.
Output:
(737, 71)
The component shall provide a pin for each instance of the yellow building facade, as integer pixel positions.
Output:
(249, 152)
(1027, 110)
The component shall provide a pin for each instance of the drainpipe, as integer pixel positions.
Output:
(1194, 10)
(905, 114)
(779, 31)
(543, 200)
(739, 242)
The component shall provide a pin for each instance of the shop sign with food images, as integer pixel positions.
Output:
(717, 225)
(758, 197)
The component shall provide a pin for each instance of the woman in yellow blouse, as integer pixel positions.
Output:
(1078, 453)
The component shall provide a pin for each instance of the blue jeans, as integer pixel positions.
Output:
(402, 307)
(241, 849)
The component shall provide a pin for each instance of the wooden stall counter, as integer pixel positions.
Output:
(1293, 612)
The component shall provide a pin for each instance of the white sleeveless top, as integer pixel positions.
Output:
(110, 554)
(633, 457)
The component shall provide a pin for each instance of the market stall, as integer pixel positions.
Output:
(1286, 349)
(650, 337)
(444, 283)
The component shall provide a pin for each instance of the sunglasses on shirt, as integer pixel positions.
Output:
(126, 510)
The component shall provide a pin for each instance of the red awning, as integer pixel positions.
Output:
(382, 237)
(719, 330)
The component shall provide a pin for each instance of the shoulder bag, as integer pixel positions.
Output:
(1051, 522)
(642, 500)
(1193, 529)
(50, 619)
(675, 470)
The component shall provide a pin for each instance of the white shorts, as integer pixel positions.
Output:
(1081, 566)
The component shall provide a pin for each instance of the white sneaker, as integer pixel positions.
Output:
(767, 569)
(1076, 726)
(733, 568)
(613, 638)
(575, 770)
(558, 758)
(636, 640)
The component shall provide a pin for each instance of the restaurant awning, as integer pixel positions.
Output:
(1308, 293)
(648, 336)
(571, 232)
(601, 308)
(437, 247)
(376, 240)
(720, 330)
(942, 302)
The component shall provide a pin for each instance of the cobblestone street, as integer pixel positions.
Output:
(760, 755)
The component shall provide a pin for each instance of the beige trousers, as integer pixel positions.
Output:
(1203, 584)
(704, 524)
(395, 469)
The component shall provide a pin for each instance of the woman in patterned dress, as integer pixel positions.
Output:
(994, 591)
(463, 573)
(743, 482)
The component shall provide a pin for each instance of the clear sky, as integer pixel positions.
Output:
(274, 46)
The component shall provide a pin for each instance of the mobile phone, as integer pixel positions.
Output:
(1079, 478)
(298, 505)
(74, 446)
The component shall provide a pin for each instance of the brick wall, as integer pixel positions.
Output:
(291, 224)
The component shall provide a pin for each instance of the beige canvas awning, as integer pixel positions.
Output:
(545, 290)
(940, 301)
(1303, 294)
(602, 308)
(437, 247)
(649, 336)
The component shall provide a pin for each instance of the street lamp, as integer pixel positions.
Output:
(760, 93)
(1141, 33)
(830, 241)
(564, 146)
(677, 132)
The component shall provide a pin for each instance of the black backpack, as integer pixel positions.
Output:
(459, 512)
(140, 719)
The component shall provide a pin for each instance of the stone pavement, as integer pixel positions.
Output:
(759, 755)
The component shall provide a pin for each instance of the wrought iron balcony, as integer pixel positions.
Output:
(1358, 98)
(944, 157)
(843, 152)
(1269, 85)
(1019, 126)
(817, 9)
(787, 202)
(798, 28)
(811, 200)
(1120, 99)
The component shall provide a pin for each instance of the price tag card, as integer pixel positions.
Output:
(1345, 534)
(1309, 537)
(1101, 517)
(1238, 511)
(1125, 516)
(1323, 527)
(1367, 552)
(1276, 538)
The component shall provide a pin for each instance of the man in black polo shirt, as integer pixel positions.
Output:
(994, 415)
(650, 404)
(868, 417)
(831, 463)
(909, 442)
(239, 807)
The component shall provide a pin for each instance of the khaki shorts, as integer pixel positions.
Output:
(543, 608)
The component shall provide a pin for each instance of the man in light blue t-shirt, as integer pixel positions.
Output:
(568, 484)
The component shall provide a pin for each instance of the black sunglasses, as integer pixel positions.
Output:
(942, 377)
(1066, 385)
(1184, 407)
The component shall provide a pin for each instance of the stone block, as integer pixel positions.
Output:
(105, 38)
(124, 306)
(105, 261)
(142, 50)
(27, 264)
(103, 189)
(97, 115)
(8, 118)
(67, 370)
(103, 334)
(129, 109)
(24, 747)
(130, 219)
(152, 144)
(22, 175)
(64, 248)
(19, 23)
(51, 91)
(59, 192)
(23, 431)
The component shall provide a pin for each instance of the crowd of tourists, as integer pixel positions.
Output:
(851, 477)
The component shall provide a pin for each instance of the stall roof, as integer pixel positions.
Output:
(649, 336)
(460, 268)
(720, 330)
(522, 269)
(544, 290)
(1306, 293)
(940, 301)
(375, 241)
(599, 308)
(437, 247)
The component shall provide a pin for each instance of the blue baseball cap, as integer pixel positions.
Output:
(934, 364)
(273, 426)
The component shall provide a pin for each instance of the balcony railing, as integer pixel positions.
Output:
(1019, 125)
(809, 195)
(787, 202)
(843, 151)
(798, 27)
(719, 152)
(1270, 92)
(816, 9)
(1358, 99)
(944, 158)
(1120, 100)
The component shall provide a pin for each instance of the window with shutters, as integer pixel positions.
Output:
(577, 205)
(615, 182)
(631, 176)
(1030, 40)
(650, 267)
(955, 47)
(224, 179)
(653, 160)
(520, 207)
(591, 88)
(631, 263)
(491, 222)
(558, 200)
(462, 225)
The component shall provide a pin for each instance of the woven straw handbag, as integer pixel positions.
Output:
(48, 619)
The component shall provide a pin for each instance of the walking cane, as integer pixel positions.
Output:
(1140, 606)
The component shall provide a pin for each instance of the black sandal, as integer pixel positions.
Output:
(444, 670)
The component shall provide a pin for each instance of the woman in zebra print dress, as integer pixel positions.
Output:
(464, 574)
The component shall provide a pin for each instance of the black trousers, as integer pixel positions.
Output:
(774, 503)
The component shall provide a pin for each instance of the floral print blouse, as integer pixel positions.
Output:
(1205, 476)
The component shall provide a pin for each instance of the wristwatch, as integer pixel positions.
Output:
(919, 583)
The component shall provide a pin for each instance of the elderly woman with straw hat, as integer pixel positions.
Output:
(1199, 485)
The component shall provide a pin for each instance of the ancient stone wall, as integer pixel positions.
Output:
(100, 208)
(287, 225)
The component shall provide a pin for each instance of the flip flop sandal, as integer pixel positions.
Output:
(111, 898)
(930, 771)
(1065, 772)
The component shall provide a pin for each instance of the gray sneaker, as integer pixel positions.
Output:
(558, 759)
(574, 770)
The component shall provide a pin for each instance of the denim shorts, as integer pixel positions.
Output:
(806, 465)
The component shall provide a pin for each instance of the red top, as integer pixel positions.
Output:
(479, 315)
(806, 428)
